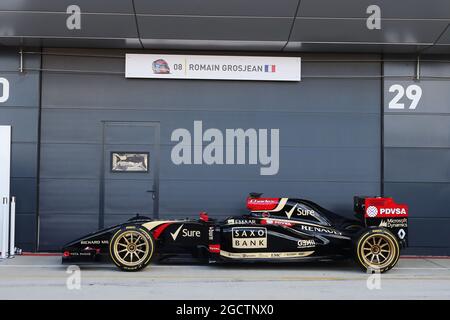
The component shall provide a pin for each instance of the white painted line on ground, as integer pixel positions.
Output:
(424, 268)
(165, 279)
(45, 266)
(168, 267)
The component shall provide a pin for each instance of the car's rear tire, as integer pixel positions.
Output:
(377, 250)
(131, 248)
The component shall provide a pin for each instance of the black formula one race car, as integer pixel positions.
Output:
(275, 229)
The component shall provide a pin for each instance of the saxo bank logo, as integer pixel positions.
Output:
(229, 148)
(249, 237)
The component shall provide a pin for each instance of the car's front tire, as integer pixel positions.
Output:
(131, 248)
(377, 250)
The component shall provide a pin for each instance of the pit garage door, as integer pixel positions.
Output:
(329, 137)
(130, 167)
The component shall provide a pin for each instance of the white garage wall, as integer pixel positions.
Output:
(5, 161)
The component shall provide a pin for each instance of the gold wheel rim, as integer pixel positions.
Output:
(131, 248)
(378, 251)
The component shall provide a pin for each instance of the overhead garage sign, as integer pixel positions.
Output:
(169, 66)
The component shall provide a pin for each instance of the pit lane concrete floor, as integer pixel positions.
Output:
(45, 278)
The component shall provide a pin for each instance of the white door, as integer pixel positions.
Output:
(5, 166)
(130, 171)
(5, 160)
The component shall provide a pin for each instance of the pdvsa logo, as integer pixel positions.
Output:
(384, 208)
(372, 211)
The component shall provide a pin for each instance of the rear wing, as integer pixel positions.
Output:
(385, 213)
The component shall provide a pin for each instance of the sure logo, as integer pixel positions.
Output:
(249, 237)
(299, 211)
(186, 233)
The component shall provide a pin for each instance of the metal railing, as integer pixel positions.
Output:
(7, 227)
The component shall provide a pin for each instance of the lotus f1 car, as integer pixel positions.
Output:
(275, 229)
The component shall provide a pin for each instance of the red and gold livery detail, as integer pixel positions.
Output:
(266, 204)
(277, 222)
(214, 248)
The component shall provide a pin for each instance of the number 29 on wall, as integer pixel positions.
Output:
(4, 90)
(413, 93)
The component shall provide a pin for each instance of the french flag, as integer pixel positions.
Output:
(269, 68)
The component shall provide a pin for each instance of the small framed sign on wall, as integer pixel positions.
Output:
(129, 161)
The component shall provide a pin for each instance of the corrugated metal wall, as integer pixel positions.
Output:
(417, 150)
(329, 132)
(408, 26)
(329, 136)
